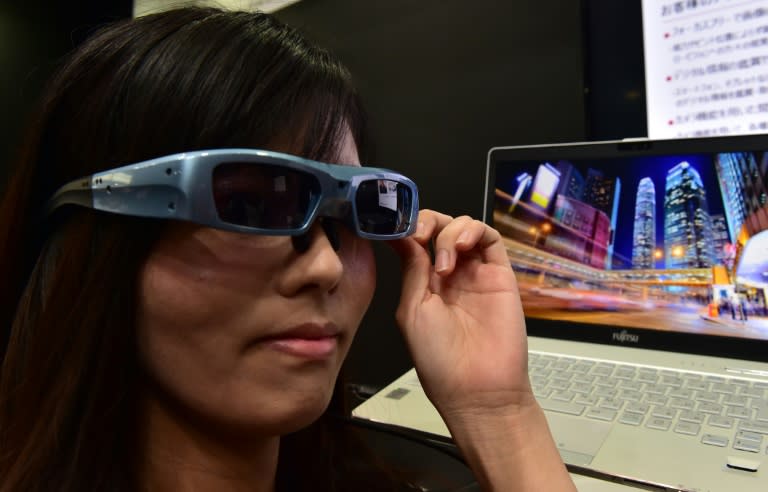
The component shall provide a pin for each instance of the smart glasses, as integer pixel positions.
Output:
(252, 191)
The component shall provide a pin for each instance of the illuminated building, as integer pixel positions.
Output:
(597, 190)
(583, 232)
(687, 224)
(720, 238)
(571, 181)
(603, 193)
(742, 186)
(545, 185)
(644, 237)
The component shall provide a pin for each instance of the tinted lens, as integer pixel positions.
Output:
(263, 196)
(383, 206)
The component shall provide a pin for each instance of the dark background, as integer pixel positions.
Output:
(443, 81)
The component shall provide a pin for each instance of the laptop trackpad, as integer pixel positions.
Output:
(577, 439)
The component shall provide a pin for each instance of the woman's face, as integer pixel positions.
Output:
(246, 332)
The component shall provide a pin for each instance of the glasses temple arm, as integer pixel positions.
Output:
(76, 192)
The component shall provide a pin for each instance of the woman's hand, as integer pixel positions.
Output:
(462, 317)
(464, 325)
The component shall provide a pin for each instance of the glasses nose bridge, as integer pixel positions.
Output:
(338, 208)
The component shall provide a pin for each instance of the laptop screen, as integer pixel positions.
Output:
(659, 244)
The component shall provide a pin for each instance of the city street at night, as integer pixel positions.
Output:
(689, 318)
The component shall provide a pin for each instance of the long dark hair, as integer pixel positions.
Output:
(182, 80)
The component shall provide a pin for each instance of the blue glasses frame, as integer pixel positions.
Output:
(180, 186)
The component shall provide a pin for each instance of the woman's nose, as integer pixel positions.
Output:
(318, 262)
(302, 243)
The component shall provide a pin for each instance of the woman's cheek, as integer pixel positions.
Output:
(361, 269)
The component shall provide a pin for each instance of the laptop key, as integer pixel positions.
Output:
(581, 368)
(735, 401)
(611, 404)
(744, 445)
(707, 396)
(718, 421)
(655, 389)
(752, 426)
(584, 378)
(606, 392)
(681, 404)
(656, 399)
(539, 392)
(635, 407)
(563, 395)
(673, 381)
(738, 382)
(583, 388)
(762, 411)
(749, 436)
(697, 385)
(602, 370)
(714, 440)
(601, 414)
(664, 412)
(589, 400)
(559, 385)
(606, 382)
(631, 385)
(562, 376)
(708, 407)
(647, 378)
(689, 416)
(739, 412)
(724, 388)
(688, 428)
(658, 423)
(753, 392)
(681, 394)
(625, 372)
(631, 395)
(630, 418)
(561, 406)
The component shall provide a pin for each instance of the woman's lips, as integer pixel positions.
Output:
(310, 348)
(310, 340)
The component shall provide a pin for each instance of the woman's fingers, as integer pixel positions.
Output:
(464, 235)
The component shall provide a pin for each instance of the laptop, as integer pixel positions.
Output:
(643, 271)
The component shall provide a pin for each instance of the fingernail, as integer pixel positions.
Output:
(463, 237)
(441, 261)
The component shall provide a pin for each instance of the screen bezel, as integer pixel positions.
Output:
(714, 345)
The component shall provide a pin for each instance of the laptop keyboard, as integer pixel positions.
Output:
(718, 411)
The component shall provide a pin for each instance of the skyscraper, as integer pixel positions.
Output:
(602, 192)
(687, 224)
(644, 238)
(720, 238)
(571, 181)
(742, 186)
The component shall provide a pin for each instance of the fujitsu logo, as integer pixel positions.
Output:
(624, 336)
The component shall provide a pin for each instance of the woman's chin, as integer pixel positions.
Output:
(283, 416)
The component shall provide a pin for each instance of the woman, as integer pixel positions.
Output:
(202, 353)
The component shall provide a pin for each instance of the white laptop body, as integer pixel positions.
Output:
(666, 282)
